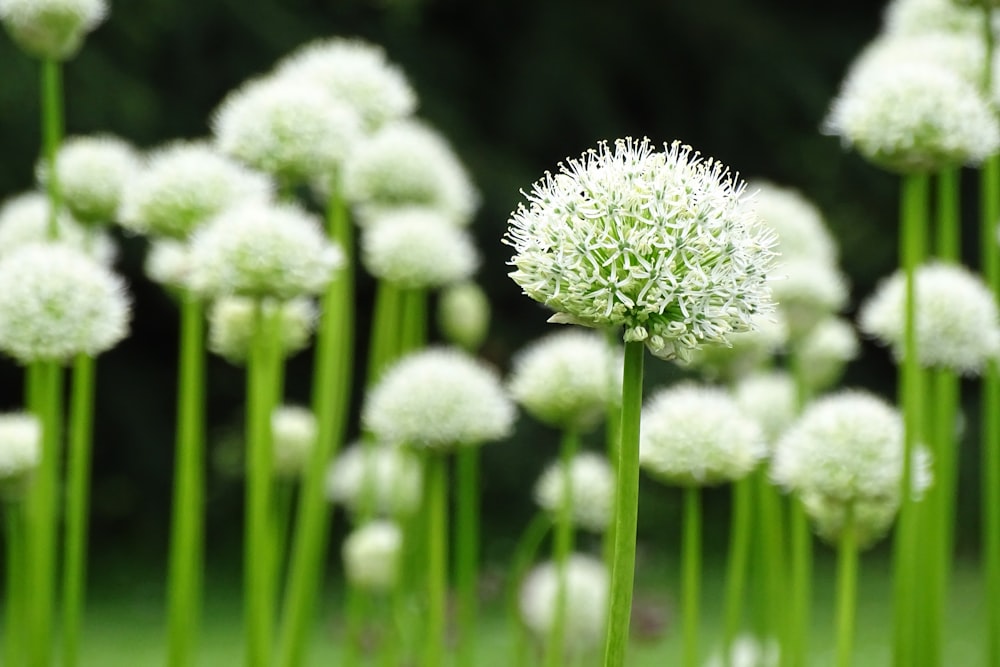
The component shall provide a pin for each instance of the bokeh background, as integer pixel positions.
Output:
(516, 85)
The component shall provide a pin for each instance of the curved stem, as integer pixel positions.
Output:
(436, 499)
(691, 573)
(739, 549)
(524, 555)
(847, 577)
(52, 132)
(562, 548)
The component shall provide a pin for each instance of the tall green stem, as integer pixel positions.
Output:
(562, 548)
(52, 132)
(626, 509)
(524, 556)
(847, 584)
(184, 573)
(414, 320)
(386, 331)
(330, 402)
(801, 583)
(736, 568)
(15, 562)
(436, 503)
(467, 551)
(691, 574)
(771, 561)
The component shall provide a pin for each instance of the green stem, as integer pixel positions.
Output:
(691, 573)
(612, 424)
(736, 570)
(626, 509)
(948, 237)
(847, 583)
(771, 561)
(52, 132)
(467, 552)
(414, 320)
(436, 499)
(524, 555)
(801, 583)
(77, 503)
(562, 548)
(284, 496)
(386, 334)
(330, 402)
(184, 574)
(15, 563)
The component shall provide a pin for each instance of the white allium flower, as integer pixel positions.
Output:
(845, 447)
(438, 398)
(913, 116)
(825, 350)
(592, 490)
(417, 248)
(168, 262)
(957, 323)
(697, 435)
(24, 219)
(92, 171)
(744, 352)
(918, 17)
(771, 399)
(798, 223)
(51, 29)
(957, 52)
(372, 555)
(749, 651)
(20, 444)
(56, 302)
(255, 250)
(407, 163)
(356, 72)
(293, 437)
(463, 315)
(182, 185)
(808, 291)
(231, 325)
(567, 379)
(661, 243)
(287, 127)
(385, 480)
(586, 596)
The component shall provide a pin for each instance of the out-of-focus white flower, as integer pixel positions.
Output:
(920, 17)
(438, 398)
(567, 379)
(824, 351)
(808, 292)
(24, 219)
(798, 223)
(20, 445)
(384, 480)
(51, 29)
(744, 352)
(771, 399)
(591, 486)
(954, 51)
(957, 322)
(697, 435)
(168, 263)
(372, 556)
(231, 325)
(586, 596)
(748, 651)
(661, 243)
(463, 315)
(56, 302)
(293, 437)
(92, 172)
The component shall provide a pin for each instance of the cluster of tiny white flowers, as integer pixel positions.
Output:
(697, 435)
(808, 291)
(92, 172)
(591, 487)
(20, 444)
(798, 223)
(871, 518)
(825, 350)
(417, 248)
(463, 315)
(954, 51)
(56, 302)
(262, 250)
(771, 399)
(407, 163)
(748, 651)
(586, 595)
(231, 325)
(957, 323)
(381, 479)
(51, 29)
(744, 352)
(293, 438)
(919, 17)
(372, 554)
(438, 398)
(662, 243)
(24, 219)
(567, 379)
(168, 262)
(182, 185)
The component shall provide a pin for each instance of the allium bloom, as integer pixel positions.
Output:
(231, 325)
(168, 262)
(260, 251)
(957, 323)
(567, 379)
(586, 602)
(372, 556)
(51, 29)
(357, 73)
(407, 163)
(744, 352)
(56, 302)
(808, 291)
(748, 651)
(24, 219)
(913, 116)
(293, 437)
(872, 517)
(184, 184)
(771, 399)
(919, 17)
(797, 222)
(592, 486)
(957, 52)
(417, 248)
(382, 479)
(661, 243)
(92, 172)
(287, 127)
(824, 352)
(438, 398)
(463, 315)
(697, 435)
(20, 444)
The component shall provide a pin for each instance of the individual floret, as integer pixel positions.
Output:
(591, 486)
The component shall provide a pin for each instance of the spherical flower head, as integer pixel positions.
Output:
(184, 184)
(958, 52)
(232, 323)
(20, 450)
(168, 263)
(372, 555)
(744, 352)
(913, 117)
(51, 29)
(463, 315)
(591, 490)
(749, 651)
(872, 518)
(825, 351)
(771, 399)
(697, 436)
(437, 399)
(797, 222)
(919, 17)
(957, 323)
(807, 292)
(293, 437)
(661, 243)
(357, 73)
(417, 248)
(56, 302)
(845, 446)
(377, 478)
(24, 219)
(260, 251)
(287, 127)
(586, 595)
(407, 163)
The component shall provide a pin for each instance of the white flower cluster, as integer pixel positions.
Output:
(51, 29)
(24, 219)
(92, 172)
(586, 596)
(384, 480)
(167, 262)
(661, 243)
(20, 445)
(798, 222)
(807, 291)
(748, 651)
(372, 555)
(825, 350)
(591, 489)
(231, 325)
(293, 438)
(771, 399)
(744, 352)
(954, 51)
(919, 17)
(463, 315)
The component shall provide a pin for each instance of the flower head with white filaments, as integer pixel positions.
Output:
(92, 172)
(51, 29)
(592, 486)
(660, 243)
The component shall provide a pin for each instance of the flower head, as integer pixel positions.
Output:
(919, 17)
(797, 222)
(56, 302)
(92, 172)
(20, 445)
(168, 262)
(24, 219)
(438, 398)
(807, 292)
(661, 243)
(372, 556)
(586, 595)
(378, 478)
(591, 487)
(463, 315)
(744, 352)
(231, 325)
(825, 350)
(293, 436)
(51, 29)
(771, 399)
(749, 651)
